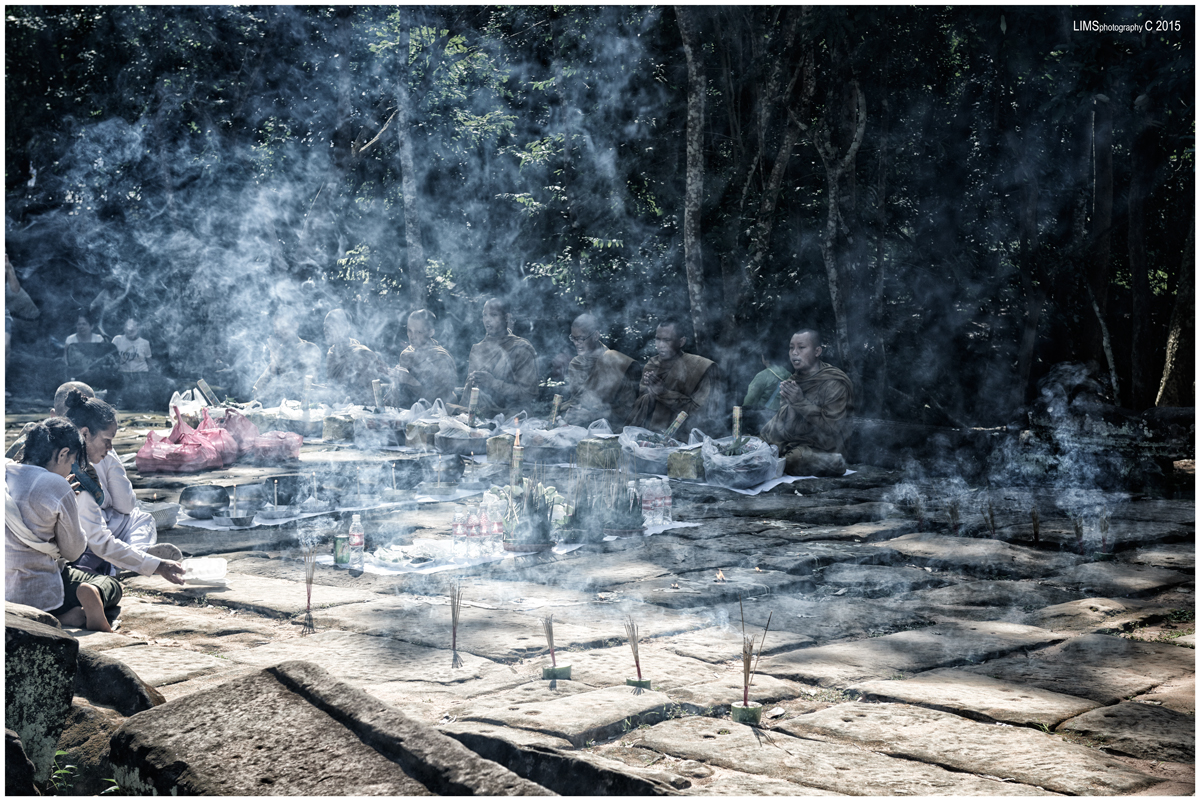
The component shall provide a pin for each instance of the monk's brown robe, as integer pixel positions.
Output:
(810, 433)
(349, 369)
(512, 362)
(600, 386)
(431, 375)
(284, 376)
(692, 385)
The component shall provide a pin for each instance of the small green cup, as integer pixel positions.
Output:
(750, 715)
(560, 672)
(643, 684)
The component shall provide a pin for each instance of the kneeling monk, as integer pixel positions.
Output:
(674, 382)
(502, 365)
(601, 382)
(811, 422)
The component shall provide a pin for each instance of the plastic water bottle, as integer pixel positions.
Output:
(458, 533)
(357, 541)
(664, 495)
(648, 489)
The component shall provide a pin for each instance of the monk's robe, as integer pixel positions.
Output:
(691, 384)
(600, 386)
(349, 369)
(284, 376)
(430, 374)
(512, 362)
(810, 433)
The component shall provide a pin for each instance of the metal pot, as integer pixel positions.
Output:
(202, 500)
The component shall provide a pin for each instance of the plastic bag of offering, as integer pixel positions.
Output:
(738, 463)
(561, 437)
(241, 428)
(294, 410)
(379, 430)
(181, 451)
(647, 450)
(455, 436)
(189, 405)
(275, 446)
(221, 439)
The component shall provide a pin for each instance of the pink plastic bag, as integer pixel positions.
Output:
(242, 429)
(276, 446)
(181, 451)
(221, 439)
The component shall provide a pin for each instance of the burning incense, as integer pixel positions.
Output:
(548, 627)
(455, 610)
(749, 663)
(737, 421)
(632, 633)
(1033, 516)
(393, 476)
(310, 569)
(554, 409)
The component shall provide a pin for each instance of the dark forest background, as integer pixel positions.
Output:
(960, 198)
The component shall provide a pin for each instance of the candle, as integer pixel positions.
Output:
(737, 421)
(554, 410)
(517, 453)
(375, 383)
(276, 492)
(393, 476)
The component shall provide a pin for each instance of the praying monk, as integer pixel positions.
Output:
(291, 358)
(426, 369)
(502, 365)
(674, 382)
(350, 366)
(811, 422)
(601, 382)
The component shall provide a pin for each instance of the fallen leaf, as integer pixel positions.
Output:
(776, 712)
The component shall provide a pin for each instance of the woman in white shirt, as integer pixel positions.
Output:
(41, 531)
(123, 543)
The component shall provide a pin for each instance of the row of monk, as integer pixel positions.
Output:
(807, 410)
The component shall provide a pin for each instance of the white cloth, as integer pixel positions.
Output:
(120, 519)
(73, 339)
(134, 353)
(46, 509)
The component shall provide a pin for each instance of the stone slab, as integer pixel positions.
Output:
(1178, 695)
(876, 531)
(907, 652)
(489, 633)
(677, 555)
(1161, 510)
(596, 574)
(1180, 556)
(609, 667)
(1087, 615)
(1186, 641)
(159, 666)
(741, 543)
(1007, 601)
(266, 596)
(211, 628)
(978, 697)
(874, 581)
(525, 737)
(362, 660)
(1100, 667)
(688, 590)
(725, 782)
(294, 730)
(711, 526)
(1117, 580)
(1020, 754)
(106, 640)
(978, 557)
(715, 696)
(1059, 532)
(823, 619)
(652, 621)
(805, 557)
(1138, 730)
(831, 767)
(205, 681)
(718, 644)
(583, 717)
(431, 701)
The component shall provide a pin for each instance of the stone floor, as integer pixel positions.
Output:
(904, 655)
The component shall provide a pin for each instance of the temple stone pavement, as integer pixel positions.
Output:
(892, 653)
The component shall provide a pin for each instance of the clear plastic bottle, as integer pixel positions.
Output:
(357, 542)
(647, 488)
(458, 533)
(473, 530)
(664, 494)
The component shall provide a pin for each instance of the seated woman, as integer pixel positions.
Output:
(41, 526)
(90, 357)
(120, 535)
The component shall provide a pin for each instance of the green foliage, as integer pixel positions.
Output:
(62, 777)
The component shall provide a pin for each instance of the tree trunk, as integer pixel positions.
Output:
(694, 191)
(1174, 389)
(416, 275)
(1102, 203)
(1143, 166)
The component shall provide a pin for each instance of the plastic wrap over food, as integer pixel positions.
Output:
(753, 462)
(644, 445)
(294, 410)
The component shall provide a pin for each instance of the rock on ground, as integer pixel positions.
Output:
(39, 674)
(109, 682)
(18, 770)
(1138, 730)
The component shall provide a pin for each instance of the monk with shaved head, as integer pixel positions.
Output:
(426, 369)
(350, 366)
(502, 365)
(601, 382)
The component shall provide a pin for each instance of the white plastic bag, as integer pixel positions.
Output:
(648, 459)
(758, 464)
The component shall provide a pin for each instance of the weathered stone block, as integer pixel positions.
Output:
(32, 613)
(686, 464)
(292, 729)
(1139, 730)
(39, 675)
(18, 770)
(109, 682)
(420, 434)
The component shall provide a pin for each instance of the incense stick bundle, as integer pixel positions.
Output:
(548, 627)
(1033, 514)
(455, 609)
(632, 632)
(310, 569)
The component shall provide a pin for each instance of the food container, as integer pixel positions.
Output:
(205, 570)
(473, 444)
(597, 452)
(686, 464)
(241, 521)
(750, 715)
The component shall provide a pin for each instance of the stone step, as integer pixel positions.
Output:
(1138, 730)
(1117, 580)
(979, 557)
(908, 652)
(272, 597)
(1013, 753)
(811, 763)
(823, 620)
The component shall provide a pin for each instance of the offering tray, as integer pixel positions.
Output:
(281, 512)
(355, 501)
(463, 446)
(441, 488)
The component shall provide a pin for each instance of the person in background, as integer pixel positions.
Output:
(811, 423)
(350, 366)
(601, 383)
(426, 369)
(119, 533)
(134, 349)
(90, 357)
(291, 358)
(762, 396)
(16, 300)
(41, 526)
(502, 365)
(674, 382)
